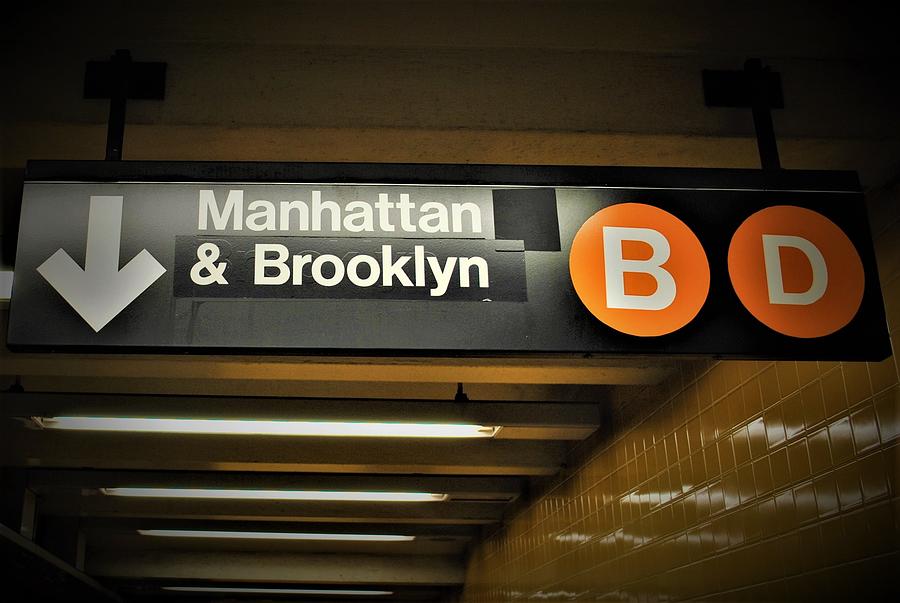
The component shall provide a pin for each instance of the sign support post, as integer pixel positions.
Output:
(756, 87)
(119, 79)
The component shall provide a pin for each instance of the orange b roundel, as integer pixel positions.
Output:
(796, 271)
(639, 269)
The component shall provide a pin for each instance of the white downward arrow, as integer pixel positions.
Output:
(100, 291)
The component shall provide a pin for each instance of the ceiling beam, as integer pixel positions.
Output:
(359, 390)
(456, 532)
(538, 370)
(284, 568)
(106, 540)
(497, 488)
(109, 450)
(559, 368)
(99, 505)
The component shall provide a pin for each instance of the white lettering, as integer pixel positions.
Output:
(318, 206)
(466, 264)
(772, 245)
(299, 262)
(261, 262)
(361, 219)
(391, 269)
(335, 278)
(436, 220)
(319, 215)
(419, 253)
(261, 209)
(405, 206)
(474, 216)
(616, 267)
(442, 276)
(234, 206)
(353, 270)
(384, 206)
(302, 215)
(365, 270)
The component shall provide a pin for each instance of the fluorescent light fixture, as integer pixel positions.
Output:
(321, 495)
(271, 428)
(334, 537)
(278, 591)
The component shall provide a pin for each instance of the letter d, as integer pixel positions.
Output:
(775, 279)
(615, 267)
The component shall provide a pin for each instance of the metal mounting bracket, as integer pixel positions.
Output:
(119, 79)
(757, 87)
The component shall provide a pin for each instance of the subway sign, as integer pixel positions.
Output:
(380, 259)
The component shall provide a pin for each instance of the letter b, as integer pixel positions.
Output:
(261, 262)
(598, 264)
(616, 267)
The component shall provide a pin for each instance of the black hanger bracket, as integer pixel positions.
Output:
(757, 87)
(119, 79)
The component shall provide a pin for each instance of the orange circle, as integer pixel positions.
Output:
(686, 264)
(845, 277)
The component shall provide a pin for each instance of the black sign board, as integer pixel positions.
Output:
(399, 259)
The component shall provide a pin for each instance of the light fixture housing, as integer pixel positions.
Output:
(372, 429)
(239, 535)
(334, 592)
(296, 495)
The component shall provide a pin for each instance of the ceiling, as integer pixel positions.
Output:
(64, 473)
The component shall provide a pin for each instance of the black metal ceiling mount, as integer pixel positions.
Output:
(460, 394)
(757, 87)
(119, 79)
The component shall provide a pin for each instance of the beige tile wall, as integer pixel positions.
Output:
(751, 481)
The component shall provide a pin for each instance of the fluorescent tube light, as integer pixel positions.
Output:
(334, 537)
(277, 591)
(272, 428)
(320, 495)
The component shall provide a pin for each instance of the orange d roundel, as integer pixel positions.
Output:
(796, 271)
(639, 269)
